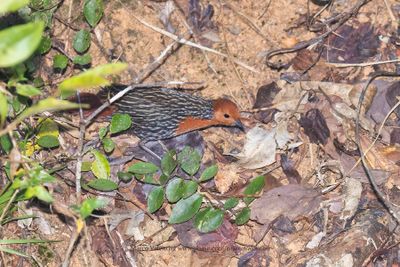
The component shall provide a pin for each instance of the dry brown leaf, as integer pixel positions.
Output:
(260, 147)
(289, 200)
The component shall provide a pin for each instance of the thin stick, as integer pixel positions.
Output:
(69, 22)
(72, 241)
(78, 170)
(187, 42)
(304, 44)
(8, 205)
(128, 254)
(137, 204)
(265, 10)
(246, 20)
(156, 63)
(392, 17)
(393, 211)
(376, 137)
(366, 64)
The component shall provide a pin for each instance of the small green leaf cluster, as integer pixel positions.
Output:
(24, 186)
(93, 12)
(119, 123)
(175, 182)
(86, 208)
(100, 167)
(21, 97)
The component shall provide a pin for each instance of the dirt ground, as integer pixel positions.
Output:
(340, 222)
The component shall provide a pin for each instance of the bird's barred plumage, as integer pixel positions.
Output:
(157, 112)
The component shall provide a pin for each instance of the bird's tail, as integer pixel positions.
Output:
(95, 100)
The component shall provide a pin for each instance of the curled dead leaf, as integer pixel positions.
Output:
(260, 146)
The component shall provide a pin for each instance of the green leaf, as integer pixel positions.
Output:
(208, 219)
(100, 166)
(48, 104)
(18, 72)
(82, 60)
(13, 252)
(185, 209)
(91, 78)
(24, 241)
(143, 168)
(40, 192)
(42, 4)
(104, 185)
(120, 122)
(253, 188)
(12, 5)
(190, 160)
(125, 176)
(149, 179)
(45, 16)
(86, 166)
(209, 173)
(60, 62)
(243, 216)
(168, 162)
(89, 205)
(230, 203)
(47, 127)
(3, 109)
(27, 90)
(5, 143)
(163, 178)
(175, 190)
(108, 145)
(37, 176)
(17, 43)
(93, 11)
(81, 41)
(155, 199)
(45, 45)
(190, 188)
(38, 82)
(48, 141)
(102, 132)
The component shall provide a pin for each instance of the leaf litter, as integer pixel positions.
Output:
(318, 209)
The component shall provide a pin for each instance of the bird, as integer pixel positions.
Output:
(163, 113)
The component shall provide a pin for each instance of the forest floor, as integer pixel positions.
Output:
(305, 134)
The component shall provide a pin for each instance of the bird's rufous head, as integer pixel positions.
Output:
(227, 113)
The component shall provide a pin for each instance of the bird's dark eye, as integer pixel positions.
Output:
(226, 116)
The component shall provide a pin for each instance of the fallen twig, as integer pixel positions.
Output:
(187, 42)
(366, 64)
(304, 44)
(394, 211)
